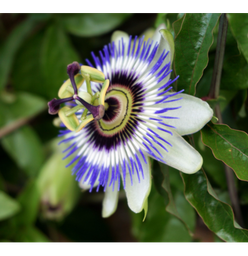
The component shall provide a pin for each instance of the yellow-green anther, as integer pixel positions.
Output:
(103, 92)
(66, 90)
(73, 110)
(88, 119)
(71, 122)
(95, 75)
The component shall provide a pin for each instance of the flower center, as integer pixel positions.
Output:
(88, 101)
(120, 101)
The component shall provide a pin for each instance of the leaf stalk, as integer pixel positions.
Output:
(213, 94)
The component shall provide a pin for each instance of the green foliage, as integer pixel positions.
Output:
(159, 226)
(10, 47)
(92, 24)
(193, 38)
(235, 67)
(202, 197)
(229, 146)
(56, 53)
(8, 206)
(25, 148)
(19, 106)
(239, 26)
(161, 174)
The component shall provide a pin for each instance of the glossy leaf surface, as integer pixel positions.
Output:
(193, 39)
(229, 146)
(238, 23)
(161, 175)
(218, 216)
(159, 226)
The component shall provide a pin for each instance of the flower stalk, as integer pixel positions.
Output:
(213, 94)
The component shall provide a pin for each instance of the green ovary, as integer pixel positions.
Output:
(121, 113)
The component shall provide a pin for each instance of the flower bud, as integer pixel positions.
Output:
(58, 189)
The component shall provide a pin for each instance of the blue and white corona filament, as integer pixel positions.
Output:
(121, 112)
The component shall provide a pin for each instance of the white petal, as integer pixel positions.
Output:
(85, 185)
(164, 44)
(193, 114)
(181, 155)
(110, 201)
(138, 193)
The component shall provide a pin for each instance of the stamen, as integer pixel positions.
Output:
(72, 70)
(96, 111)
(53, 105)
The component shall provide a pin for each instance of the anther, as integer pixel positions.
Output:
(53, 105)
(72, 70)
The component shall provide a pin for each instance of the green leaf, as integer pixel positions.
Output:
(92, 24)
(217, 215)
(159, 226)
(229, 146)
(238, 23)
(8, 206)
(31, 234)
(213, 167)
(235, 73)
(161, 17)
(56, 53)
(27, 75)
(194, 37)
(22, 106)
(161, 177)
(29, 200)
(24, 146)
(235, 67)
(10, 47)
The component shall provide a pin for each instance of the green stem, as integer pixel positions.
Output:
(214, 94)
(13, 126)
(87, 78)
(219, 57)
(84, 114)
(74, 110)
